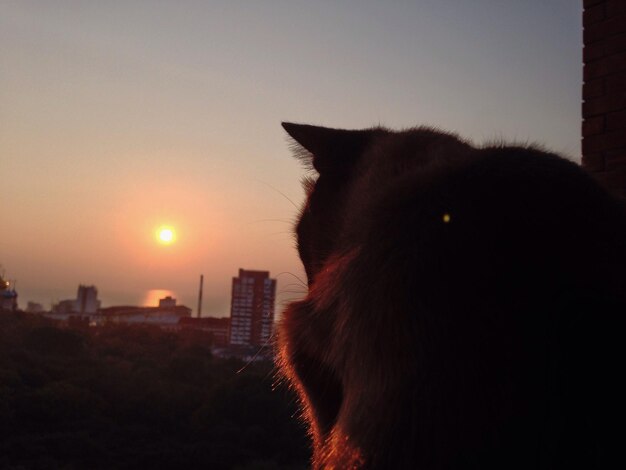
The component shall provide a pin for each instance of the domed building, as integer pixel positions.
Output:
(8, 295)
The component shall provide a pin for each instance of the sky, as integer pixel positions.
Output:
(119, 117)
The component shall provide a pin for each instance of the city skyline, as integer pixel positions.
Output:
(121, 118)
(149, 298)
(87, 300)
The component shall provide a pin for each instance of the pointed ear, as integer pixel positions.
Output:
(333, 150)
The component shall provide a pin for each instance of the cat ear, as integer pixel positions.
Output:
(333, 150)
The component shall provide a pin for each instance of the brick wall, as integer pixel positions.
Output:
(604, 92)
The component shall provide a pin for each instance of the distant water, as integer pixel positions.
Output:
(215, 304)
(148, 298)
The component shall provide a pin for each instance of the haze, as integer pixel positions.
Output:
(119, 117)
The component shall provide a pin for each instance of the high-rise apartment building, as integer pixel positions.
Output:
(252, 308)
(87, 299)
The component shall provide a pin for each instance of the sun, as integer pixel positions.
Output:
(166, 235)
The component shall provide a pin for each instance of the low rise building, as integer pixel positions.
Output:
(219, 328)
(167, 314)
(34, 307)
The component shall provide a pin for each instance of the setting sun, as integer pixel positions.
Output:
(166, 235)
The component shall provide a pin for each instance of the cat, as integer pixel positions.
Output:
(464, 305)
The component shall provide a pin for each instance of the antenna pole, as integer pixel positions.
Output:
(200, 296)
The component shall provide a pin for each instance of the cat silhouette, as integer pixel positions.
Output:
(465, 304)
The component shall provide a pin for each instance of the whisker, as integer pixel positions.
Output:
(282, 233)
(293, 275)
(261, 348)
(286, 221)
(280, 192)
(293, 285)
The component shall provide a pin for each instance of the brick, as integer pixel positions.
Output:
(594, 125)
(614, 180)
(615, 7)
(604, 66)
(616, 121)
(616, 83)
(593, 14)
(616, 159)
(601, 142)
(605, 104)
(593, 89)
(607, 46)
(593, 161)
(604, 29)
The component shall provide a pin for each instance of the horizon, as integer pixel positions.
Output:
(120, 118)
(211, 307)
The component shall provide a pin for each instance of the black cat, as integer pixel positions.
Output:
(465, 305)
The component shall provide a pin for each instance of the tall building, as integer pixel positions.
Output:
(87, 299)
(252, 308)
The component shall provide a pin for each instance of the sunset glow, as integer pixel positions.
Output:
(129, 124)
(152, 297)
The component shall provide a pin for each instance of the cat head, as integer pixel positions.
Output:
(352, 167)
(333, 154)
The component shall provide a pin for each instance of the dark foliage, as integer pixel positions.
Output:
(137, 397)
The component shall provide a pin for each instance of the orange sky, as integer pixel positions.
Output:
(119, 117)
